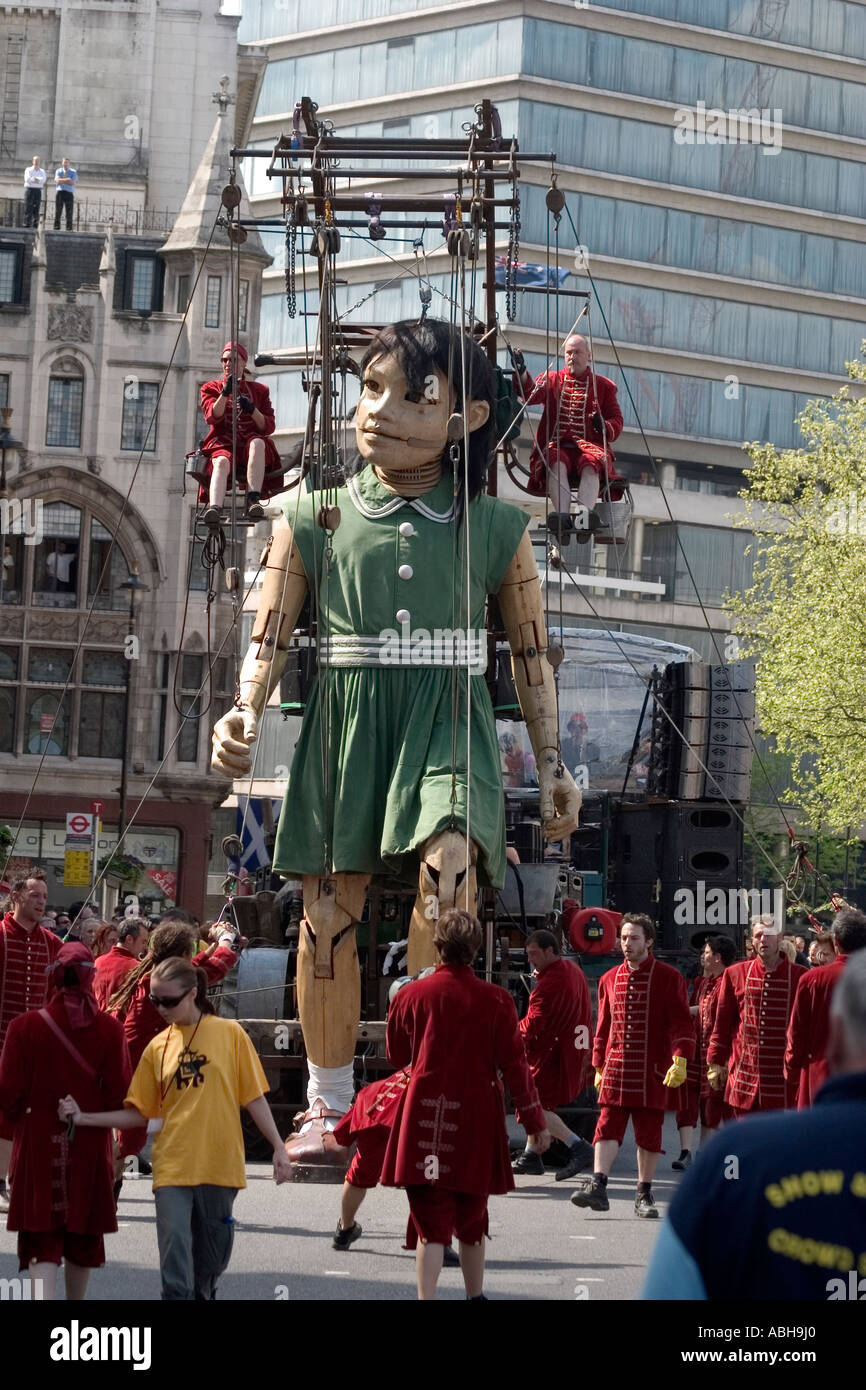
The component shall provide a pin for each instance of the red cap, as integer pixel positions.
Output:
(235, 347)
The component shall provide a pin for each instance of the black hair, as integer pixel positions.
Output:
(849, 929)
(130, 927)
(421, 347)
(723, 946)
(543, 938)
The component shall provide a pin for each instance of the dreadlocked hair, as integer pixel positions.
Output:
(181, 975)
(171, 940)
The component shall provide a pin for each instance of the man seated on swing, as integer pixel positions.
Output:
(400, 710)
(580, 420)
(239, 414)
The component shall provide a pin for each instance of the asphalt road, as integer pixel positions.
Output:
(541, 1248)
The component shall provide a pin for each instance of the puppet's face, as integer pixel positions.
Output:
(398, 428)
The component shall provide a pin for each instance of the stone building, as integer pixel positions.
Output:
(108, 332)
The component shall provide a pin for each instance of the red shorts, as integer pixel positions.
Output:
(439, 1214)
(613, 1120)
(714, 1111)
(273, 480)
(365, 1168)
(53, 1247)
(575, 457)
(688, 1113)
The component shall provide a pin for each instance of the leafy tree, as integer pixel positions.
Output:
(804, 618)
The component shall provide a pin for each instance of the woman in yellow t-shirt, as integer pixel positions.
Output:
(192, 1080)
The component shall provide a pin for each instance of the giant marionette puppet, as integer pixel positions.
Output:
(379, 782)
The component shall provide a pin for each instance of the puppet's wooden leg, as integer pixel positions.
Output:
(442, 883)
(219, 478)
(329, 1005)
(256, 465)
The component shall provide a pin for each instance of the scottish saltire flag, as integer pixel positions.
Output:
(528, 274)
(256, 853)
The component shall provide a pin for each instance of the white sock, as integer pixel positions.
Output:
(335, 1086)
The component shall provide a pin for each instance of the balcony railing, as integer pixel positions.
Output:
(92, 215)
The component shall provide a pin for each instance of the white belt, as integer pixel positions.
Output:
(419, 648)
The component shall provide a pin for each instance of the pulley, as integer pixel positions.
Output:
(327, 241)
(555, 199)
(329, 518)
(237, 234)
(230, 196)
(459, 243)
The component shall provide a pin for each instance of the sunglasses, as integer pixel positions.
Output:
(160, 1003)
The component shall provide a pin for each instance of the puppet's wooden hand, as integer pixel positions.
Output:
(232, 736)
(560, 800)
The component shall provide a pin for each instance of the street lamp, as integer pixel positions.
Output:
(135, 586)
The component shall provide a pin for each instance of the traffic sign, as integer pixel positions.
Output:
(79, 823)
(96, 807)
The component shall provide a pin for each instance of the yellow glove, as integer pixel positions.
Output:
(676, 1072)
(717, 1076)
(599, 1078)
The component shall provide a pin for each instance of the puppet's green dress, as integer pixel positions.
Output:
(371, 778)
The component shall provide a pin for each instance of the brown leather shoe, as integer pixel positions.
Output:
(309, 1148)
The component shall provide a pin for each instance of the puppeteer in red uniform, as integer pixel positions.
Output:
(580, 420)
(62, 1199)
(755, 1004)
(238, 411)
(713, 1106)
(457, 1032)
(643, 1022)
(559, 1006)
(24, 960)
(809, 1028)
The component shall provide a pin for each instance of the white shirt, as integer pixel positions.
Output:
(34, 178)
(62, 564)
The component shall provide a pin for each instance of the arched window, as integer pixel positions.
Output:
(65, 405)
(64, 561)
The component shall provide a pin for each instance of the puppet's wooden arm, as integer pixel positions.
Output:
(283, 593)
(523, 615)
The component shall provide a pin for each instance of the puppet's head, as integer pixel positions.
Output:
(411, 384)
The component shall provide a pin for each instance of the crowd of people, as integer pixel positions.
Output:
(111, 1032)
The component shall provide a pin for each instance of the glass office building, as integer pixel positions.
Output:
(713, 157)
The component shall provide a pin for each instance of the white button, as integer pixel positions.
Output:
(406, 528)
(405, 571)
(403, 615)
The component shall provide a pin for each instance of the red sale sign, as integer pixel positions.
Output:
(165, 880)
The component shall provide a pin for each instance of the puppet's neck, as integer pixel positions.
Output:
(410, 482)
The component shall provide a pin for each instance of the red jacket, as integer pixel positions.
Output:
(24, 961)
(111, 971)
(643, 1022)
(707, 1003)
(750, 1033)
(809, 1030)
(558, 1055)
(682, 1098)
(375, 1107)
(458, 1033)
(221, 432)
(555, 391)
(57, 1182)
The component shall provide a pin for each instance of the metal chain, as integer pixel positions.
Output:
(511, 262)
(291, 235)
